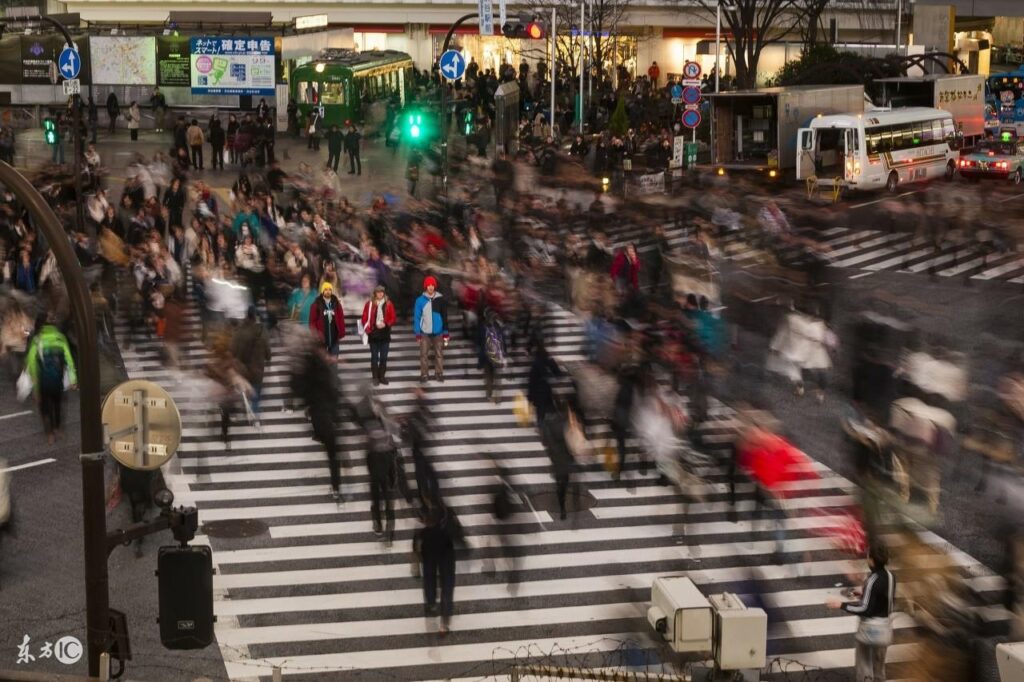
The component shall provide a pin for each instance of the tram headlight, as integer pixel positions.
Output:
(319, 68)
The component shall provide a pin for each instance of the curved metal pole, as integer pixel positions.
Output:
(76, 115)
(94, 519)
(444, 107)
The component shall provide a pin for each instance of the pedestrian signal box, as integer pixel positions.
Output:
(50, 133)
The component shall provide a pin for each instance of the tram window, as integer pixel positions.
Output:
(333, 93)
(308, 92)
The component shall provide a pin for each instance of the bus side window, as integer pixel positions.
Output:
(872, 142)
(807, 141)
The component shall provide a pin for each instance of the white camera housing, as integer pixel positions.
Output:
(681, 615)
(1010, 658)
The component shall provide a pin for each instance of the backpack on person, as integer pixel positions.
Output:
(51, 369)
(493, 345)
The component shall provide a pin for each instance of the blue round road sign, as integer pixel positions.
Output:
(69, 64)
(691, 95)
(677, 91)
(691, 118)
(452, 65)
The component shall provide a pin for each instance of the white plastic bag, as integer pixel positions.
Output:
(24, 385)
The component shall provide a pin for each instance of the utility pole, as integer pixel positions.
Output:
(583, 62)
(554, 65)
(94, 520)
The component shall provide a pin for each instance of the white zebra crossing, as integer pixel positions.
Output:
(317, 596)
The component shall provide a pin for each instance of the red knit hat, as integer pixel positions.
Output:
(429, 280)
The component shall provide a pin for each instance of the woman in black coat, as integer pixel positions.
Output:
(174, 200)
(315, 383)
(538, 388)
(217, 141)
(437, 541)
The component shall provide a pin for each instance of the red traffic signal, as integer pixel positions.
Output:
(527, 28)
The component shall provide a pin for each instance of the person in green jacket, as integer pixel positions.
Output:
(48, 358)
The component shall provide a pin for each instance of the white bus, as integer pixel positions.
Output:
(879, 148)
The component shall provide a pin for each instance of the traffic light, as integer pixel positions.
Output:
(527, 27)
(418, 126)
(468, 118)
(50, 133)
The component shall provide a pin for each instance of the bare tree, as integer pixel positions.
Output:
(812, 13)
(596, 37)
(752, 26)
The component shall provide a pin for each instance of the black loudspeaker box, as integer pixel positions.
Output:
(185, 576)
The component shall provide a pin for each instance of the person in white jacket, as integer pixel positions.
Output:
(801, 349)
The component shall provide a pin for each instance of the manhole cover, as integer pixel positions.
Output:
(240, 528)
(548, 501)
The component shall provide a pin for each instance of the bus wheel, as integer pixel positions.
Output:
(950, 171)
(893, 182)
(1017, 177)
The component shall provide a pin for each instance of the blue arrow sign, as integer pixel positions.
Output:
(677, 91)
(69, 64)
(453, 66)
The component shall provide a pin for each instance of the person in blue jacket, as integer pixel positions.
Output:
(430, 325)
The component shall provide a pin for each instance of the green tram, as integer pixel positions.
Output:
(345, 81)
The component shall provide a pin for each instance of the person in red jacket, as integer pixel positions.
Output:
(327, 319)
(626, 270)
(653, 72)
(378, 319)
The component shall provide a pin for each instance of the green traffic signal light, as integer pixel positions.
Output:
(50, 135)
(415, 125)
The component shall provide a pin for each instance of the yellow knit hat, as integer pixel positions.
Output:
(326, 285)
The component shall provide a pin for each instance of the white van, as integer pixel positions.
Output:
(879, 148)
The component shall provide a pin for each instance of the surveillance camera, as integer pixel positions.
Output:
(661, 626)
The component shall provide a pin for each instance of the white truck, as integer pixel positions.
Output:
(962, 96)
(756, 130)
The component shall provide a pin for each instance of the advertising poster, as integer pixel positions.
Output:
(232, 66)
(172, 61)
(123, 60)
(37, 51)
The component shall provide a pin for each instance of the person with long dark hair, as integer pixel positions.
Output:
(874, 631)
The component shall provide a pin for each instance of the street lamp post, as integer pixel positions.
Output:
(899, 25)
(444, 103)
(94, 520)
(554, 66)
(718, 40)
(583, 23)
